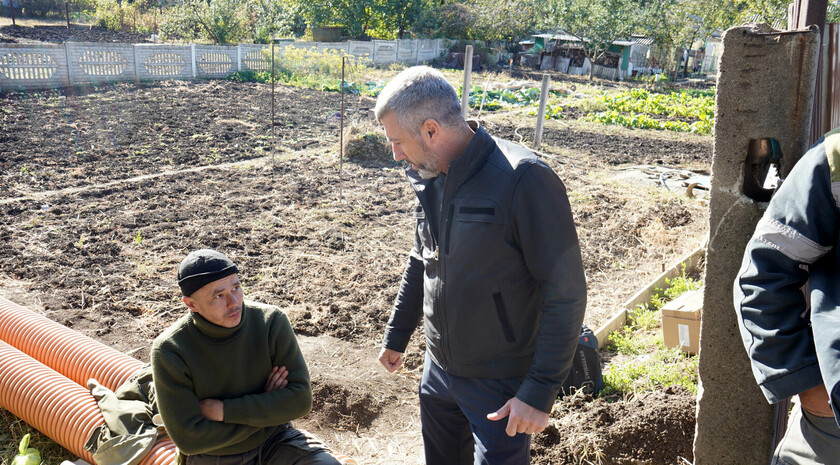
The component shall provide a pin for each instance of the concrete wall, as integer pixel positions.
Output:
(25, 67)
(765, 89)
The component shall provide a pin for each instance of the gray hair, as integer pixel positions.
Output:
(417, 94)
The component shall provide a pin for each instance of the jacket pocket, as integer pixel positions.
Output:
(424, 232)
(501, 311)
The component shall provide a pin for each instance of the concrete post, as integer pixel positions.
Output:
(538, 133)
(465, 88)
(192, 54)
(69, 56)
(765, 90)
(136, 64)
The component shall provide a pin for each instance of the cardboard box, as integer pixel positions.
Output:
(681, 321)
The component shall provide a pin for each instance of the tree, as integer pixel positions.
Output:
(448, 21)
(595, 23)
(506, 20)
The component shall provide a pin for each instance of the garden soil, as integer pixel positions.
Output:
(104, 190)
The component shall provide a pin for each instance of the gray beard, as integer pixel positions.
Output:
(426, 174)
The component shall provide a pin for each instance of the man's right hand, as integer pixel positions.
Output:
(815, 401)
(390, 359)
(276, 379)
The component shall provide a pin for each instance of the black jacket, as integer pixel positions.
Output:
(501, 283)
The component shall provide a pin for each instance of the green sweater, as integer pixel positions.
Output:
(195, 359)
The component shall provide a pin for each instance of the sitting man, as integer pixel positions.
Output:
(230, 376)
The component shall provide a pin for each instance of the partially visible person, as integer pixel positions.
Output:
(787, 296)
(495, 273)
(230, 376)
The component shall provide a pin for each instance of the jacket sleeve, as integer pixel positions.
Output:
(770, 292)
(545, 231)
(282, 405)
(408, 306)
(192, 433)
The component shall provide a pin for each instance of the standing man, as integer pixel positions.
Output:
(495, 271)
(787, 296)
(229, 375)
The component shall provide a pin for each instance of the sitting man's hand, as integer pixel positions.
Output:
(815, 401)
(276, 379)
(213, 409)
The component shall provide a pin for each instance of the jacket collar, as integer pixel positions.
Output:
(463, 167)
(213, 330)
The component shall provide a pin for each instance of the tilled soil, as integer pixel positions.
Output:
(104, 190)
(60, 34)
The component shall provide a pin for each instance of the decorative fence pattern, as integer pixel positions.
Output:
(24, 66)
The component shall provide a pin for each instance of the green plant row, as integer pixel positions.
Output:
(694, 104)
(642, 121)
(494, 99)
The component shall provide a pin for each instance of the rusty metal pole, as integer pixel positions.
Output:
(273, 138)
(804, 13)
(341, 131)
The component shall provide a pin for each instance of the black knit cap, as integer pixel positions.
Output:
(202, 267)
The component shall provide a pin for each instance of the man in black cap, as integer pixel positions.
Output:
(229, 375)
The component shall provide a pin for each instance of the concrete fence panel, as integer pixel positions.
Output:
(215, 61)
(384, 51)
(407, 51)
(163, 61)
(24, 66)
(92, 63)
(256, 57)
(33, 66)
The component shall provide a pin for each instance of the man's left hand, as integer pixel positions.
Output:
(213, 409)
(522, 417)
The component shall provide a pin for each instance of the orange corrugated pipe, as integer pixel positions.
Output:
(44, 368)
(66, 351)
(48, 401)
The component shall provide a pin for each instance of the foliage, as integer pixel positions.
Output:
(665, 367)
(832, 15)
(652, 364)
(384, 19)
(450, 21)
(309, 68)
(772, 12)
(231, 21)
(631, 109)
(506, 20)
(114, 15)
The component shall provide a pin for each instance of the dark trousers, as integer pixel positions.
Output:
(809, 440)
(453, 415)
(287, 446)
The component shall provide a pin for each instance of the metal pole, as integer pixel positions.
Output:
(465, 90)
(273, 138)
(12, 7)
(541, 113)
(66, 13)
(341, 129)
